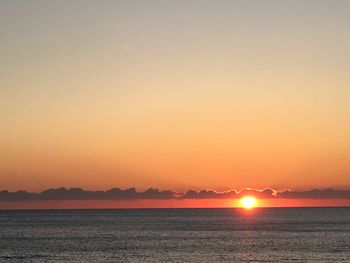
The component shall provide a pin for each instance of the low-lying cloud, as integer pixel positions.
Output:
(154, 193)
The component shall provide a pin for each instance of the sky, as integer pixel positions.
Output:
(174, 94)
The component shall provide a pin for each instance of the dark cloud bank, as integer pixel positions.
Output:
(152, 193)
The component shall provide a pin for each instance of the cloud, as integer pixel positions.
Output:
(265, 193)
(208, 194)
(232, 194)
(81, 194)
(316, 194)
(154, 193)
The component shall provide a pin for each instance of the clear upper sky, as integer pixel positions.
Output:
(174, 94)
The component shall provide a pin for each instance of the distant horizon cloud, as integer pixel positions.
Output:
(63, 193)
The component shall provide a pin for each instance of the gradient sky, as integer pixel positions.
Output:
(174, 94)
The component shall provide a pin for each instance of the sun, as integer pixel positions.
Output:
(248, 202)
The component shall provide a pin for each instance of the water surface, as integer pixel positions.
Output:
(176, 235)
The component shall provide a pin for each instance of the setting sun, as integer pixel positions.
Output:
(248, 202)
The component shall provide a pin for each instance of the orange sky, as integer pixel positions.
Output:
(188, 94)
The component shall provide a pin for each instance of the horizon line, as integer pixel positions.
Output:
(76, 193)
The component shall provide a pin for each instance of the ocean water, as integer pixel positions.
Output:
(176, 235)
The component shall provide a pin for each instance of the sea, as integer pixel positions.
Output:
(176, 235)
